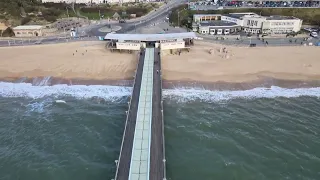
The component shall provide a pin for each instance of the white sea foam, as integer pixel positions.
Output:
(78, 91)
(183, 94)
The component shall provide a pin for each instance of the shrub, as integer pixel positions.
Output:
(25, 20)
(50, 18)
(29, 9)
(51, 12)
(137, 10)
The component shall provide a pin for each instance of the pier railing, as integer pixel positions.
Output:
(125, 126)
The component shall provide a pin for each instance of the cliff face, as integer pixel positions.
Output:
(20, 12)
(17, 9)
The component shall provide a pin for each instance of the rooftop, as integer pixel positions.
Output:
(236, 16)
(200, 15)
(27, 27)
(150, 37)
(217, 23)
(281, 18)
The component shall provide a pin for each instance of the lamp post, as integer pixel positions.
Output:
(67, 12)
(178, 18)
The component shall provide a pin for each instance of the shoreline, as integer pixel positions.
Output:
(265, 82)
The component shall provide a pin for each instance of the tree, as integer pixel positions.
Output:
(116, 16)
(316, 19)
(8, 32)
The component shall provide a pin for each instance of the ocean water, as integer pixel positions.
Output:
(255, 134)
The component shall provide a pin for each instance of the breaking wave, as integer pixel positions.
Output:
(183, 94)
(77, 91)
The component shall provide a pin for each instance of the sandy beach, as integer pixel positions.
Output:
(78, 60)
(91, 62)
(242, 64)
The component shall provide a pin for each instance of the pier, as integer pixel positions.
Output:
(123, 163)
(142, 149)
(142, 152)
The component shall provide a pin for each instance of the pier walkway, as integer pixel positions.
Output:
(142, 154)
(140, 161)
(157, 159)
(123, 164)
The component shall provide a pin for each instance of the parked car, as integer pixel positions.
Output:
(314, 34)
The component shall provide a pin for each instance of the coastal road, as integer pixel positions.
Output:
(143, 21)
(93, 30)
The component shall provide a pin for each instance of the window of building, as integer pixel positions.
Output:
(252, 23)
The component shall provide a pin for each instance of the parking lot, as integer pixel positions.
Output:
(226, 4)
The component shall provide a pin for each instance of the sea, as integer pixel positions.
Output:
(257, 134)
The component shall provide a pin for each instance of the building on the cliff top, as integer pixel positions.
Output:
(247, 22)
(28, 31)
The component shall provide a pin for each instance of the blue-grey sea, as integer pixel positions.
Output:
(258, 134)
